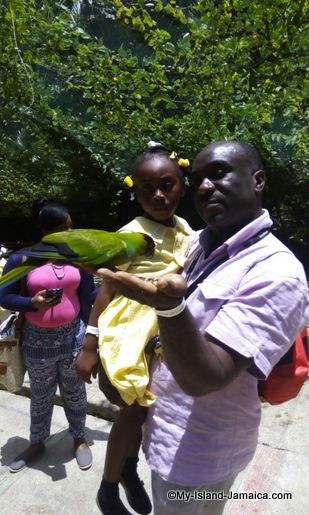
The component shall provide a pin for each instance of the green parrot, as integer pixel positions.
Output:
(89, 249)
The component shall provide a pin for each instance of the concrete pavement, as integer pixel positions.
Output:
(281, 463)
(55, 485)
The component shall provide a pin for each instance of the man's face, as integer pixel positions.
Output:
(226, 187)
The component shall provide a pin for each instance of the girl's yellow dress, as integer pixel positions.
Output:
(126, 326)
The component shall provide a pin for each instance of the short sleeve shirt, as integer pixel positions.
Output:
(256, 302)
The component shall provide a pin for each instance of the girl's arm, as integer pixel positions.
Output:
(87, 361)
(87, 293)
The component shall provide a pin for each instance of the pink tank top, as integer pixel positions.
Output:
(68, 309)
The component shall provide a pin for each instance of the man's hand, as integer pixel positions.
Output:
(165, 293)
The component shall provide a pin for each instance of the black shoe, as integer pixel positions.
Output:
(134, 488)
(108, 500)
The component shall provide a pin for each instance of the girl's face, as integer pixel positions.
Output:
(158, 188)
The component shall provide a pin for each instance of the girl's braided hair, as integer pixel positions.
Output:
(156, 148)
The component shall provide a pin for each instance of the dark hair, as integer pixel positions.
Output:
(252, 154)
(48, 214)
(156, 149)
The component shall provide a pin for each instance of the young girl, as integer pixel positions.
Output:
(125, 326)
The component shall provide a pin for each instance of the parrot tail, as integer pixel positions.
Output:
(15, 274)
(51, 252)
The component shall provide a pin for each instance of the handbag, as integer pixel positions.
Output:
(12, 368)
(288, 375)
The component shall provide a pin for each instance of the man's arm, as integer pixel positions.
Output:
(199, 364)
(87, 361)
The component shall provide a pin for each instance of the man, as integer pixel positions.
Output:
(234, 326)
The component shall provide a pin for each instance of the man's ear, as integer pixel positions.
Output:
(183, 192)
(259, 179)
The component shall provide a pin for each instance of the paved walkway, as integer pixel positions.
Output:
(54, 485)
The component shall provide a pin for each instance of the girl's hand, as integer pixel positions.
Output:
(165, 293)
(41, 303)
(87, 361)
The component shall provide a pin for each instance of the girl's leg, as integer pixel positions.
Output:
(121, 463)
(124, 440)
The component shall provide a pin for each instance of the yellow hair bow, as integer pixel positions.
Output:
(184, 162)
(128, 181)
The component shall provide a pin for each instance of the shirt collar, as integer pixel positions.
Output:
(233, 244)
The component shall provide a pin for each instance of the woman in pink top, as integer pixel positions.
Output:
(53, 331)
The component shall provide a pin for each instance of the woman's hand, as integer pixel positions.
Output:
(165, 293)
(41, 303)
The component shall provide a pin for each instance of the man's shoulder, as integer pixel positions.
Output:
(268, 263)
(273, 269)
(279, 260)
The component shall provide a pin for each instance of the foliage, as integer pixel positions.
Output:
(85, 84)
